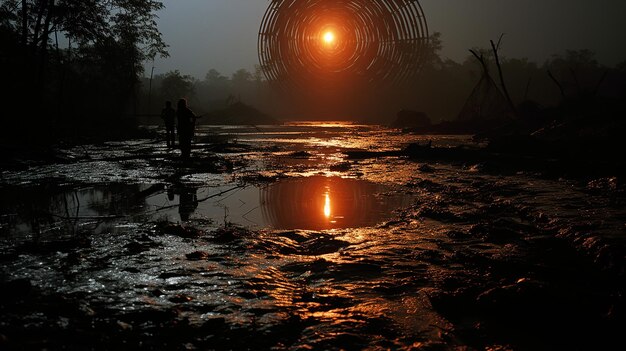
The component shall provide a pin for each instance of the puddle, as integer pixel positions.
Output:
(328, 203)
(310, 203)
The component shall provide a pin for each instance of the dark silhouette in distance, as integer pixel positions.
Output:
(186, 124)
(168, 114)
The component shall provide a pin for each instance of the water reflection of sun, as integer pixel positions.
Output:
(327, 206)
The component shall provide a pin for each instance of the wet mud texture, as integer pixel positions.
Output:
(475, 261)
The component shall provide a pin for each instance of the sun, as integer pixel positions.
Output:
(329, 37)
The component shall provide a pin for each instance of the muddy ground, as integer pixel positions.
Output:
(273, 238)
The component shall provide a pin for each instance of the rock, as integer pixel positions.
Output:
(525, 295)
(180, 298)
(181, 231)
(139, 247)
(340, 167)
(300, 154)
(425, 168)
(197, 256)
(229, 234)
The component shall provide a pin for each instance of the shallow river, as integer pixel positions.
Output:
(283, 242)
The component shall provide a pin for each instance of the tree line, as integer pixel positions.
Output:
(72, 65)
(440, 90)
(74, 68)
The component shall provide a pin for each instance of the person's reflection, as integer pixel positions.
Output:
(188, 202)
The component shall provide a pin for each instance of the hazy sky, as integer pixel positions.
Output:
(222, 34)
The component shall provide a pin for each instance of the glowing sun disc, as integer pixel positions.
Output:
(329, 37)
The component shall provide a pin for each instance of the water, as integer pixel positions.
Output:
(298, 247)
(309, 203)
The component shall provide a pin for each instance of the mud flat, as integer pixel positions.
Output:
(279, 239)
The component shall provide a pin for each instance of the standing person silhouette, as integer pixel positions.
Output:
(168, 114)
(186, 123)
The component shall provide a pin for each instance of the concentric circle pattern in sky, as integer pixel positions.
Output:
(326, 44)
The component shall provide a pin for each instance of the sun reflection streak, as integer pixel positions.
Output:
(327, 206)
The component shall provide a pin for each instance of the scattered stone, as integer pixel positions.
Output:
(135, 247)
(229, 233)
(300, 154)
(426, 168)
(197, 256)
(179, 230)
(340, 167)
(180, 298)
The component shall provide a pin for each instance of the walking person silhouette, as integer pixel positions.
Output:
(168, 114)
(186, 125)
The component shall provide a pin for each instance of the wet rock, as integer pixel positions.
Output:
(214, 324)
(259, 178)
(322, 245)
(607, 185)
(179, 230)
(340, 167)
(124, 326)
(426, 168)
(145, 239)
(524, 295)
(74, 258)
(180, 298)
(229, 233)
(457, 234)
(439, 214)
(612, 257)
(300, 154)
(63, 245)
(296, 236)
(167, 275)
(431, 256)
(131, 270)
(427, 185)
(430, 346)
(392, 223)
(319, 265)
(157, 293)
(470, 258)
(197, 256)
(150, 316)
(609, 255)
(135, 247)
(491, 232)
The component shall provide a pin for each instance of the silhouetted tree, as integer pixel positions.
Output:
(214, 77)
(95, 73)
(241, 78)
(578, 72)
(175, 86)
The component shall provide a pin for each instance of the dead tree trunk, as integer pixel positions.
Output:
(558, 84)
(504, 89)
